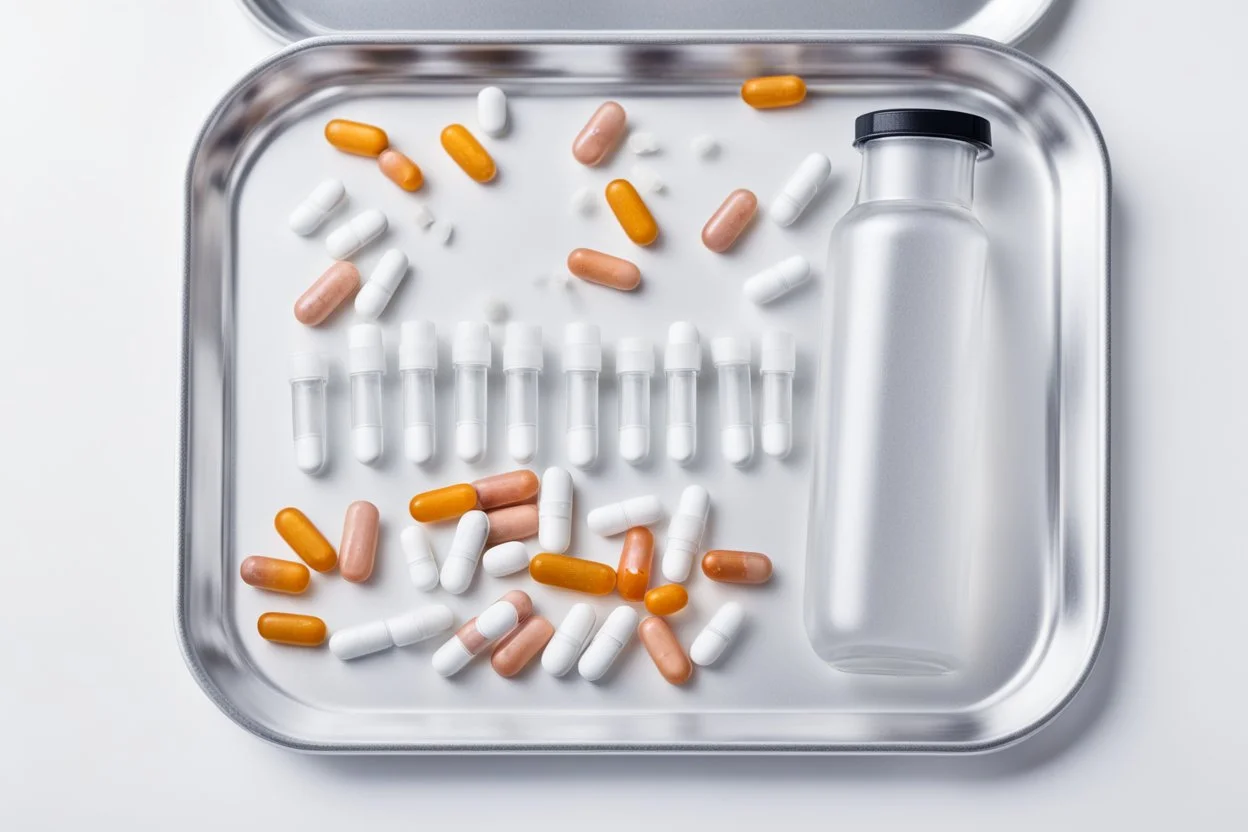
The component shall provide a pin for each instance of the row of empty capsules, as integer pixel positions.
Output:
(471, 356)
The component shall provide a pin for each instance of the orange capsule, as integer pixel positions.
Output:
(601, 134)
(727, 566)
(356, 137)
(773, 91)
(509, 489)
(666, 599)
(468, 153)
(275, 575)
(633, 576)
(603, 269)
(729, 220)
(572, 573)
(401, 170)
(443, 503)
(306, 539)
(288, 628)
(512, 523)
(519, 646)
(669, 657)
(631, 211)
(360, 530)
(327, 293)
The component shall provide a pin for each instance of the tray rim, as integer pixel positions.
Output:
(996, 743)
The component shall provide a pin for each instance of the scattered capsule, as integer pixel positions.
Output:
(288, 628)
(616, 633)
(468, 153)
(773, 91)
(668, 599)
(356, 137)
(600, 134)
(505, 559)
(509, 489)
(631, 211)
(396, 631)
(554, 511)
(492, 111)
(422, 568)
(355, 233)
(521, 646)
(496, 621)
(604, 269)
(729, 220)
(317, 206)
(569, 640)
(307, 541)
(633, 574)
(577, 574)
(442, 231)
(358, 551)
(375, 295)
(327, 293)
(401, 170)
(275, 575)
(775, 281)
(615, 518)
(466, 547)
(717, 634)
(800, 188)
(512, 523)
(684, 533)
(443, 503)
(660, 642)
(731, 567)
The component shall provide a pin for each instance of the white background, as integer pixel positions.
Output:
(100, 720)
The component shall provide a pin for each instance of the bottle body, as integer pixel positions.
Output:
(366, 416)
(581, 394)
(634, 416)
(308, 422)
(418, 415)
(682, 415)
(522, 414)
(471, 389)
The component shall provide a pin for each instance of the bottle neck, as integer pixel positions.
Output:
(918, 167)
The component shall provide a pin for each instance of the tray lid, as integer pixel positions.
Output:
(1006, 21)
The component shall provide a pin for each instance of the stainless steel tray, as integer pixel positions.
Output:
(1044, 198)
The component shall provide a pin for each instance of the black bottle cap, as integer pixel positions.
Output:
(944, 124)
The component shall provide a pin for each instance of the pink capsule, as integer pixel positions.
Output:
(521, 645)
(358, 551)
(600, 134)
(729, 220)
(327, 293)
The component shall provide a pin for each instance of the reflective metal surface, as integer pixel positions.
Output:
(1041, 587)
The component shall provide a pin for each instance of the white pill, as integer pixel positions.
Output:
(584, 202)
(317, 207)
(616, 633)
(442, 231)
(554, 511)
(424, 217)
(355, 233)
(421, 566)
(800, 188)
(643, 143)
(419, 625)
(777, 280)
(717, 634)
(706, 147)
(465, 552)
(492, 111)
(569, 640)
(381, 285)
(617, 518)
(647, 179)
(498, 620)
(360, 640)
(684, 533)
(505, 559)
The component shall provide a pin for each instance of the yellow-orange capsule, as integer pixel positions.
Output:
(773, 91)
(443, 503)
(669, 657)
(731, 567)
(401, 170)
(666, 599)
(288, 628)
(306, 539)
(356, 137)
(274, 575)
(633, 576)
(631, 211)
(509, 489)
(572, 573)
(468, 153)
(729, 220)
(604, 269)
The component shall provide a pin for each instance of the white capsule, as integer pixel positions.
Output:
(681, 362)
(471, 355)
(779, 360)
(492, 111)
(309, 373)
(424, 217)
(569, 640)
(582, 364)
(684, 533)
(705, 147)
(717, 634)
(317, 207)
(618, 518)
(800, 189)
(497, 620)
(777, 280)
(522, 365)
(634, 364)
(355, 233)
(421, 566)
(643, 143)
(465, 552)
(360, 640)
(419, 625)
(647, 179)
(584, 201)
(554, 511)
(731, 357)
(418, 364)
(505, 559)
(366, 363)
(381, 285)
(442, 231)
(616, 633)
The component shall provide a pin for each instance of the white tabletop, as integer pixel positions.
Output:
(99, 719)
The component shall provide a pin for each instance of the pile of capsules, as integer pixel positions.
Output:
(495, 515)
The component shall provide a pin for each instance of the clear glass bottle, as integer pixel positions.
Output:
(888, 545)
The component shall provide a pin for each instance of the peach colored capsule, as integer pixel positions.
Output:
(519, 646)
(274, 575)
(601, 134)
(631, 212)
(730, 567)
(604, 269)
(509, 489)
(633, 575)
(729, 220)
(327, 293)
(669, 657)
(401, 170)
(356, 137)
(358, 551)
(289, 628)
(512, 523)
